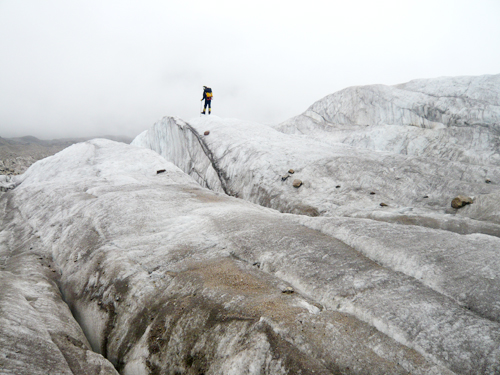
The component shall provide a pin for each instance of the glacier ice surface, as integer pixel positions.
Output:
(107, 265)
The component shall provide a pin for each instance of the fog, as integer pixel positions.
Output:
(89, 68)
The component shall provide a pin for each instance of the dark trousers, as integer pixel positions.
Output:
(209, 104)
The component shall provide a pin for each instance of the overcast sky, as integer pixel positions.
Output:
(72, 68)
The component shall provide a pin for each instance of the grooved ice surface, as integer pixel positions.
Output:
(338, 180)
(38, 334)
(166, 276)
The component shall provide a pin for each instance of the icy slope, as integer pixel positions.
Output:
(38, 334)
(252, 162)
(166, 276)
(455, 118)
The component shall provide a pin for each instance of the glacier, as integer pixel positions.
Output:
(190, 251)
(163, 275)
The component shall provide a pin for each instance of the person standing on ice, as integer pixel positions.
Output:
(207, 95)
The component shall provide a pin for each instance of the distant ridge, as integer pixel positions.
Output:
(455, 118)
(28, 139)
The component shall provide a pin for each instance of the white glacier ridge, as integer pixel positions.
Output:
(454, 118)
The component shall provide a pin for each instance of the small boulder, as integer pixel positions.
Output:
(285, 177)
(291, 171)
(488, 181)
(206, 132)
(460, 201)
(287, 290)
(383, 204)
(337, 187)
(160, 171)
(372, 193)
(297, 183)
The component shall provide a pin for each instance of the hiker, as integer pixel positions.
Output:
(207, 95)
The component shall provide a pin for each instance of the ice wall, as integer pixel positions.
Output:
(171, 138)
